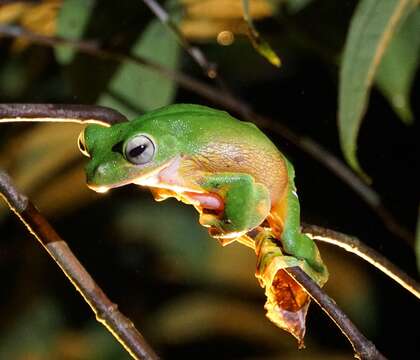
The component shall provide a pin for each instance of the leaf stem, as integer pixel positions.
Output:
(106, 312)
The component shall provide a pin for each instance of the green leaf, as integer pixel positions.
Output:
(72, 19)
(141, 88)
(262, 46)
(398, 67)
(295, 6)
(371, 30)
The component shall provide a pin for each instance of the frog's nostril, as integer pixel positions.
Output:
(118, 147)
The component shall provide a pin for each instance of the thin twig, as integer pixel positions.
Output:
(106, 312)
(196, 54)
(60, 113)
(363, 348)
(231, 103)
(357, 247)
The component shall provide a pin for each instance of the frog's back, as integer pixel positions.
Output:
(220, 143)
(225, 144)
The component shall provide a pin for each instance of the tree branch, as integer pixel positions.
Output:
(363, 348)
(357, 247)
(106, 312)
(196, 54)
(60, 113)
(229, 102)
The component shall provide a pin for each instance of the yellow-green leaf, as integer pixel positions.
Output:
(371, 30)
(262, 46)
(398, 67)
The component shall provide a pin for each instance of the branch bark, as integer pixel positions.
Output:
(196, 54)
(357, 247)
(106, 312)
(363, 348)
(60, 113)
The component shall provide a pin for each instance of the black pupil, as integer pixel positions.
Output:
(137, 151)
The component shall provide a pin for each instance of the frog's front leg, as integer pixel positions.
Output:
(246, 205)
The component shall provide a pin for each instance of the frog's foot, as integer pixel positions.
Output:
(216, 225)
(246, 205)
(210, 206)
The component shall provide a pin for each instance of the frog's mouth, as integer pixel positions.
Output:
(165, 176)
(166, 181)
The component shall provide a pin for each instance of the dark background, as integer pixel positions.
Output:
(191, 298)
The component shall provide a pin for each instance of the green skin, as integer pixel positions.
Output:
(202, 153)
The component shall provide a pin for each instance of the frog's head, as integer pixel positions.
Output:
(131, 152)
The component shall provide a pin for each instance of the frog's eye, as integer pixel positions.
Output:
(139, 150)
(82, 144)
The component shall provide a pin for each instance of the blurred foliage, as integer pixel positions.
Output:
(137, 87)
(372, 27)
(191, 297)
(397, 69)
(39, 17)
(71, 22)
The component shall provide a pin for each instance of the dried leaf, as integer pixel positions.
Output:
(226, 9)
(287, 303)
(39, 18)
(204, 20)
(371, 30)
(10, 13)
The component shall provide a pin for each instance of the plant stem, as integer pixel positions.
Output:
(357, 247)
(363, 348)
(60, 113)
(196, 54)
(106, 312)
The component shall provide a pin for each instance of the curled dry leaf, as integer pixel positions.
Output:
(39, 17)
(287, 302)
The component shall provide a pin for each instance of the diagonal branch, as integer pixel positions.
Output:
(60, 113)
(363, 348)
(231, 103)
(196, 54)
(106, 312)
(357, 247)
